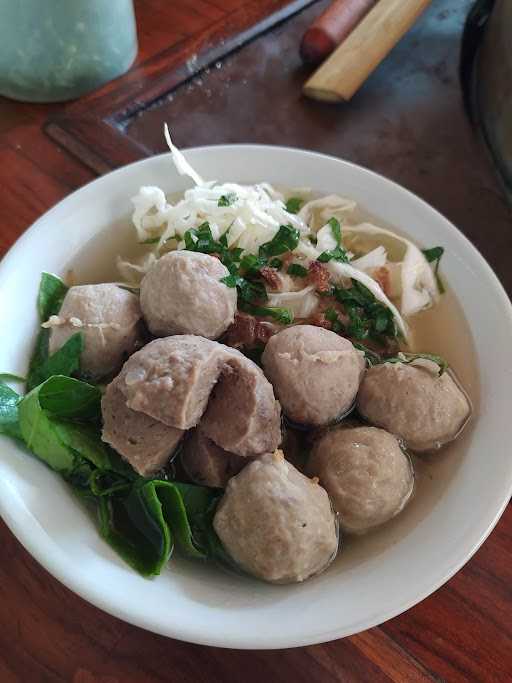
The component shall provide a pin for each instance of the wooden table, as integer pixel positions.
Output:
(407, 122)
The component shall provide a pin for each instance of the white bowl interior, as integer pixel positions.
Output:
(196, 602)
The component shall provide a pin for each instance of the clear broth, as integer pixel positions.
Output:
(442, 330)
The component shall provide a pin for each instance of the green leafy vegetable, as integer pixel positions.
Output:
(51, 295)
(372, 358)
(182, 504)
(297, 270)
(10, 377)
(205, 536)
(227, 199)
(245, 269)
(281, 315)
(39, 432)
(141, 519)
(70, 398)
(9, 400)
(134, 526)
(335, 229)
(332, 316)
(62, 443)
(293, 204)
(286, 239)
(230, 280)
(367, 316)
(65, 361)
(143, 525)
(251, 291)
(201, 239)
(49, 300)
(337, 254)
(250, 265)
(434, 255)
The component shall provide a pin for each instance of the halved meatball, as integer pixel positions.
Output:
(208, 464)
(144, 442)
(243, 416)
(171, 379)
(110, 320)
(182, 294)
(415, 403)
(276, 523)
(315, 373)
(366, 473)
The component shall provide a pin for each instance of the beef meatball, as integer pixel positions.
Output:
(109, 319)
(144, 442)
(315, 373)
(415, 403)
(182, 294)
(276, 523)
(243, 416)
(366, 473)
(171, 379)
(208, 464)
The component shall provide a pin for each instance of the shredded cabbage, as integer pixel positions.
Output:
(302, 303)
(317, 212)
(250, 215)
(376, 258)
(418, 286)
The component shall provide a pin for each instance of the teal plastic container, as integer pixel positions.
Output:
(55, 50)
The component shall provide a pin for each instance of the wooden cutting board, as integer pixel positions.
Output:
(407, 122)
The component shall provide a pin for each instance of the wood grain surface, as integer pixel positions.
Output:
(464, 631)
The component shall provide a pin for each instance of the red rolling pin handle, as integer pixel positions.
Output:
(331, 28)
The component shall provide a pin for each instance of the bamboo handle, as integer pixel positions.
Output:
(355, 59)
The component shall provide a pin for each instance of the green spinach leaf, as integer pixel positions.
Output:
(297, 270)
(40, 434)
(144, 525)
(286, 239)
(434, 255)
(65, 361)
(9, 400)
(51, 295)
(135, 527)
(70, 398)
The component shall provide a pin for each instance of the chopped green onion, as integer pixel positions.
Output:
(336, 229)
(275, 263)
(297, 270)
(227, 199)
(281, 315)
(286, 239)
(372, 358)
(433, 255)
(337, 254)
(332, 316)
(293, 204)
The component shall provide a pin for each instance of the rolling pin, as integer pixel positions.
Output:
(331, 28)
(362, 51)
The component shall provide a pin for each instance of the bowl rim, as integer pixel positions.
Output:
(56, 563)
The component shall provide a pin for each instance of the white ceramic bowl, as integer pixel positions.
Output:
(196, 602)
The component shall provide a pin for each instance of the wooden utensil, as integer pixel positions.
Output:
(331, 28)
(355, 59)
